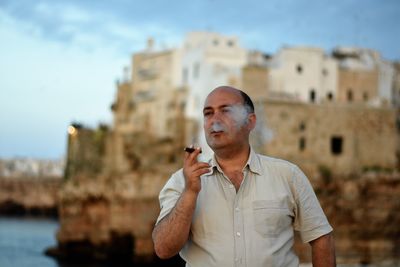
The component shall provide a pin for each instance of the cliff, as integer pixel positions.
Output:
(365, 214)
(112, 217)
(29, 196)
(109, 217)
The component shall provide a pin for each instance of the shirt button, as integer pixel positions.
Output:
(237, 209)
(238, 234)
(231, 185)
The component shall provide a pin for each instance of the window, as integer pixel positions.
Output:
(215, 42)
(299, 69)
(185, 75)
(330, 96)
(324, 72)
(196, 70)
(302, 144)
(302, 126)
(312, 95)
(230, 43)
(349, 95)
(336, 145)
(365, 96)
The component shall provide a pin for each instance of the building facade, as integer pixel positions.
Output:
(160, 101)
(304, 73)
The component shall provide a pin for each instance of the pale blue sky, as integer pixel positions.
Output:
(59, 59)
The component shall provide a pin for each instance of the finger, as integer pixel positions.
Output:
(200, 172)
(192, 157)
(201, 165)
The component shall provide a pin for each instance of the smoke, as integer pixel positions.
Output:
(239, 114)
(217, 127)
(263, 133)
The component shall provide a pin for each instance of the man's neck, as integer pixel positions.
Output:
(233, 159)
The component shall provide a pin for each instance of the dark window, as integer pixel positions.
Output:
(215, 42)
(231, 43)
(336, 145)
(312, 95)
(299, 69)
(325, 72)
(365, 96)
(330, 96)
(302, 144)
(302, 126)
(349, 95)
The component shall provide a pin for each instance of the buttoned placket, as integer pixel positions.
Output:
(238, 226)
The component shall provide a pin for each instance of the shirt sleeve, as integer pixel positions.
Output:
(170, 194)
(310, 219)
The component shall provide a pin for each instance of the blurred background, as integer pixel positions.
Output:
(98, 99)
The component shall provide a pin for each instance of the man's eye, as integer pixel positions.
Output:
(206, 114)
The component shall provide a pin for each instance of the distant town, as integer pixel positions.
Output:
(30, 167)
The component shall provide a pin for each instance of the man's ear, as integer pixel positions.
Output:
(251, 121)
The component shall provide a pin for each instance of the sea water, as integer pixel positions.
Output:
(23, 240)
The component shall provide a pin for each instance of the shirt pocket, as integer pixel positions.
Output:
(270, 217)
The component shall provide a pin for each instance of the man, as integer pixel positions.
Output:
(239, 208)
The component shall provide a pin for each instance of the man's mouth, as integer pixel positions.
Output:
(216, 132)
(217, 128)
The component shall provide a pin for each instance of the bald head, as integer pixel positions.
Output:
(246, 100)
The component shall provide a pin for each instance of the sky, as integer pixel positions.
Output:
(60, 60)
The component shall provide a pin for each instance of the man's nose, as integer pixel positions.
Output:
(215, 118)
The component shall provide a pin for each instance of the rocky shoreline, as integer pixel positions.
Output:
(29, 196)
(110, 219)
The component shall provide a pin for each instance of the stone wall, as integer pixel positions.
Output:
(345, 139)
(357, 86)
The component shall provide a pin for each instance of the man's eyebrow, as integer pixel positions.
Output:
(225, 106)
(219, 107)
(206, 108)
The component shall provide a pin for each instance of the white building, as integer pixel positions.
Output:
(209, 60)
(304, 74)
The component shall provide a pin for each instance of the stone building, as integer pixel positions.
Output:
(396, 86)
(343, 139)
(159, 101)
(306, 74)
(364, 77)
(148, 109)
(208, 60)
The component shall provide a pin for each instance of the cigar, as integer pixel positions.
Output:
(190, 149)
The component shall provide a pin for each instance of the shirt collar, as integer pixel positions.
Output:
(253, 163)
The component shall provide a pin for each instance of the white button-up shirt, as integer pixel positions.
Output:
(253, 226)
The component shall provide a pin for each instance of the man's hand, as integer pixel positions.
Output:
(172, 232)
(192, 170)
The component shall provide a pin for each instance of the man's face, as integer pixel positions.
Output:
(225, 119)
